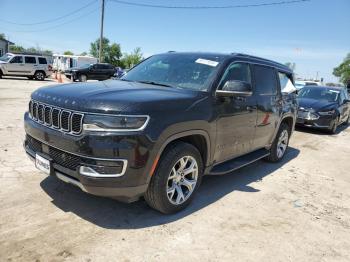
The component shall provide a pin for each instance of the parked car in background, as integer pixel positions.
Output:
(66, 62)
(29, 65)
(155, 132)
(100, 71)
(299, 84)
(323, 107)
(119, 72)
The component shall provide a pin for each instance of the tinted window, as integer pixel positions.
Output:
(42, 61)
(236, 71)
(265, 80)
(30, 60)
(17, 60)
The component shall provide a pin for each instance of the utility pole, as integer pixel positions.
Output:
(101, 30)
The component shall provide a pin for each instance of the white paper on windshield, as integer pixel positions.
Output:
(207, 62)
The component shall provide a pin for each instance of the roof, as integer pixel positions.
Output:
(9, 42)
(254, 59)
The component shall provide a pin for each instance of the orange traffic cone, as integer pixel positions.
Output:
(55, 75)
(60, 78)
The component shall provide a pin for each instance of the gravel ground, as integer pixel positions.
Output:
(298, 210)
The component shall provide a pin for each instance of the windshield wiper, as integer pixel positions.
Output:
(153, 83)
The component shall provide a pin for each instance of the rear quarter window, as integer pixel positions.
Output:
(42, 60)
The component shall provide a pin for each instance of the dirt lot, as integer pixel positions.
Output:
(298, 210)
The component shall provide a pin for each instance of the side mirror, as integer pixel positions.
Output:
(235, 88)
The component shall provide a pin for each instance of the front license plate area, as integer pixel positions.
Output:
(42, 164)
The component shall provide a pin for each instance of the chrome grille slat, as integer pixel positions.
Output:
(64, 120)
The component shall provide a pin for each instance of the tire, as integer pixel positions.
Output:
(347, 122)
(39, 75)
(82, 78)
(163, 191)
(280, 144)
(333, 129)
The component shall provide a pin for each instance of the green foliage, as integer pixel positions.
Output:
(343, 70)
(2, 36)
(16, 48)
(83, 54)
(68, 52)
(132, 59)
(111, 52)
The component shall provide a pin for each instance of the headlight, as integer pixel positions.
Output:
(114, 123)
(326, 113)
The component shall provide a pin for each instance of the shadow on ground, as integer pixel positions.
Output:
(108, 213)
(25, 78)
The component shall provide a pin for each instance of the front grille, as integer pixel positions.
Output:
(60, 157)
(64, 120)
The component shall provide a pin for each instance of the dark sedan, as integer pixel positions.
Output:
(323, 107)
(100, 71)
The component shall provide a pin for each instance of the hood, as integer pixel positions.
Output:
(114, 96)
(3, 62)
(316, 105)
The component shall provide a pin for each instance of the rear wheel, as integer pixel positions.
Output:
(176, 178)
(280, 144)
(82, 78)
(39, 75)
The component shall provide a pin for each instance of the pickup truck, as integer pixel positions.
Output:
(159, 129)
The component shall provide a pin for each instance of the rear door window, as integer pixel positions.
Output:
(42, 60)
(30, 60)
(265, 80)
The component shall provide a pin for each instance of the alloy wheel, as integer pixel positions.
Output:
(182, 180)
(282, 143)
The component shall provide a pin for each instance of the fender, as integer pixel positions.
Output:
(286, 115)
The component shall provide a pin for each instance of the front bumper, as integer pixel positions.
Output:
(322, 122)
(128, 154)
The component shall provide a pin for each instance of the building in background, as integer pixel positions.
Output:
(4, 46)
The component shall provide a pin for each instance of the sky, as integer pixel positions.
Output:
(315, 35)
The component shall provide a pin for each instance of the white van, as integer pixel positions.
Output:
(29, 65)
(65, 62)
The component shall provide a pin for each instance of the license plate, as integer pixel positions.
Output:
(42, 164)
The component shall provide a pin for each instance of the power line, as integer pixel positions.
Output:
(209, 7)
(55, 26)
(50, 20)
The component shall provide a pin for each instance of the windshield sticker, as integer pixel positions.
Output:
(207, 62)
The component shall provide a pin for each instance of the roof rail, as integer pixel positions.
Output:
(258, 58)
(28, 53)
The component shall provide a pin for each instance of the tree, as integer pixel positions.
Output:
(135, 57)
(2, 36)
(68, 52)
(111, 53)
(343, 71)
(83, 53)
(16, 48)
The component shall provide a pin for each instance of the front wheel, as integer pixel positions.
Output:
(280, 144)
(333, 128)
(176, 178)
(82, 78)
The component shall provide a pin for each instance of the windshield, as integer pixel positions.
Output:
(329, 95)
(190, 71)
(6, 57)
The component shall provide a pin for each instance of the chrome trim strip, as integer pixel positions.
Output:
(58, 116)
(81, 123)
(47, 123)
(69, 114)
(96, 174)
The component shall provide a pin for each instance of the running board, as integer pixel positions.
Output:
(234, 164)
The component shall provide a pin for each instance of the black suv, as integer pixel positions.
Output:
(101, 71)
(161, 127)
